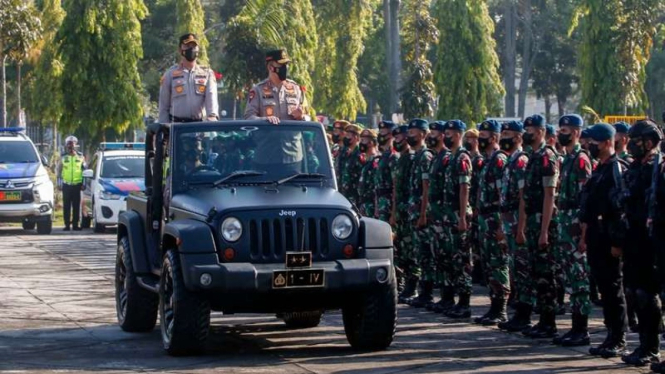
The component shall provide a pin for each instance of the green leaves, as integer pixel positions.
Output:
(190, 19)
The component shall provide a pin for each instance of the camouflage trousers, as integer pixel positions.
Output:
(573, 263)
(422, 248)
(456, 246)
(509, 222)
(473, 237)
(443, 261)
(405, 258)
(543, 264)
(385, 208)
(494, 255)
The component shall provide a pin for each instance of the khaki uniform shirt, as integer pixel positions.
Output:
(188, 94)
(266, 100)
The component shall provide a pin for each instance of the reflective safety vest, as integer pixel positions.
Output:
(72, 169)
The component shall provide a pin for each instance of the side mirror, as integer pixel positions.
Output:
(88, 173)
(43, 160)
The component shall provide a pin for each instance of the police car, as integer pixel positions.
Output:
(26, 191)
(115, 170)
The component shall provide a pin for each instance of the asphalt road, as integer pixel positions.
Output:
(57, 314)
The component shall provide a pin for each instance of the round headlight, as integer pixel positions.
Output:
(342, 227)
(231, 229)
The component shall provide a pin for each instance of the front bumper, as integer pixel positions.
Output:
(252, 284)
(107, 211)
(25, 211)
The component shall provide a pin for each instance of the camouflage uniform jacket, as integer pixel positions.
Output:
(422, 161)
(384, 176)
(477, 162)
(491, 183)
(436, 184)
(541, 172)
(351, 169)
(458, 171)
(575, 171)
(513, 180)
(339, 158)
(366, 184)
(401, 177)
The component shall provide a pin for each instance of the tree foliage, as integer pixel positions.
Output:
(343, 27)
(101, 46)
(46, 88)
(466, 72)
(20, 28)
(190, 19)
(419, 35)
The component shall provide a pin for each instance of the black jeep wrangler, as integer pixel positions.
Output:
(245, 217)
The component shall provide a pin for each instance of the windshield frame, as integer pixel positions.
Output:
(322, 152)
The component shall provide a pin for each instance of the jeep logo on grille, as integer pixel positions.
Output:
(289, 213)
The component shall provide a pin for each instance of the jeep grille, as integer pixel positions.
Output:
(270, 239)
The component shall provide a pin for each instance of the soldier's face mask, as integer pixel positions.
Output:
(594, 150)
(400, 146)
(483, 143)
(507, 144)
(636, 148)
(190, 54)
(432, 141)
(383, 139)
(336, 138)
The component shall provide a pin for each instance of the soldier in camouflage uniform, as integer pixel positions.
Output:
(471, 144)
(418, 201)
(367, 185)
(512, 188)
(493, 252)
(457, 214)
(551, 140)
(352, 164)
(387, 167)
(575, 171)
(436, 219)
(399, 218)
(537, 224)
(338, 149)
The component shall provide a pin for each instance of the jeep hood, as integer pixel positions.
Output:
(200, 201)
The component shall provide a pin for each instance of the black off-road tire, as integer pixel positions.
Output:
(302, 320)
(45, 227)
(184, 316)
(370, 323)
(28, 225)
(136, 307)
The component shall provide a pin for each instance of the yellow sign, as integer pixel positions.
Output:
(628, 119)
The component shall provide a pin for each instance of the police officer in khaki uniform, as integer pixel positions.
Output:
(276, 99)
(188, 90)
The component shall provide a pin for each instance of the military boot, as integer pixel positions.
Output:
(658, 368)
(595, 351)
(579, 334)
(462, 309)
(545, 328)
(425, 296)
(616, 347)
(500, 314)
(642, 356)
(493, 306)
(520, 320)
(410, 290)
(447, 300)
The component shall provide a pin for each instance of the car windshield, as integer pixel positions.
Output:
(123, 167)
(12, 152)
(245, 154)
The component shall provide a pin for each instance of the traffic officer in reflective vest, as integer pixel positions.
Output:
(70, 181)
(188, 91)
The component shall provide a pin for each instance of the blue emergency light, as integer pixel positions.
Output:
(121, 146)
(13, 130)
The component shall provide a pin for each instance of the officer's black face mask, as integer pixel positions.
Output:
(280, 71)
(383, 140)
(594, 150)
(399, 147)
(412, 141)
(483, 143)
(364, 147)
(432, 142)
(448, 142)
(336, 138)
(565, 139)
(190, 54)
(528, 138)
(507, 144)
(347, 141)
(636, 150)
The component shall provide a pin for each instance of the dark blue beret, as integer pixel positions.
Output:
(517, 126)
(403, 129)
(550, 130)
(456, 125)
(573, 120)
(535, 120)
(622, 127)
(438, 126)
(586, 133)
(601, 132)
(387, 125)
(419, 124)
(490, 125)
